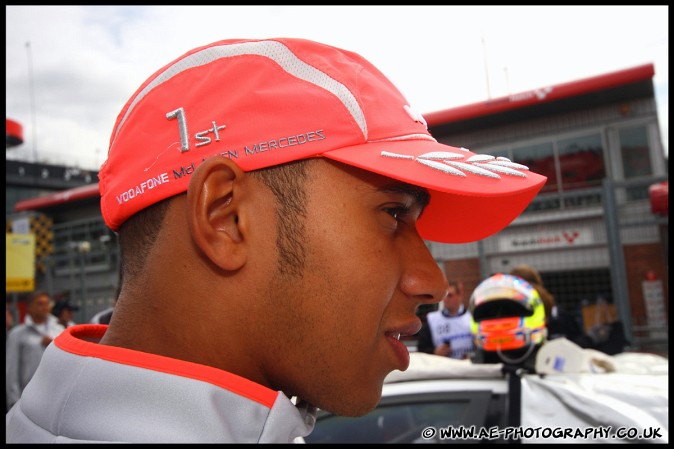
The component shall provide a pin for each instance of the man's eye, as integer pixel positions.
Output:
(399, 213)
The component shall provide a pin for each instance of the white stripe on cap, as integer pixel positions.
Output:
(273, 50)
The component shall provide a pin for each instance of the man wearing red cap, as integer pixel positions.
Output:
(246, 176)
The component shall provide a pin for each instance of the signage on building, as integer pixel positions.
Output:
(566, 237)
(20, 262)
(21, 225)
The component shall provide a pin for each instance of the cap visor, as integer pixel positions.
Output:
(472, 196)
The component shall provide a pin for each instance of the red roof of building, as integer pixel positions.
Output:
(541, 95)
(64, 196)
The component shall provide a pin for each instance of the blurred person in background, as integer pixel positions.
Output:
(64, 311)
(27, 342)
(447, 331)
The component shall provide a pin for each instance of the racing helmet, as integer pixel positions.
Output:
(507, 314)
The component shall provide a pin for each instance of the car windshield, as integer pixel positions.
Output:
(402, 419)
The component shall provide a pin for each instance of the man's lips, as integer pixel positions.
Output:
(404, 330)
(399, 348)
(395, 335)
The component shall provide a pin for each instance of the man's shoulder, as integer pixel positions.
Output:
(19, 330)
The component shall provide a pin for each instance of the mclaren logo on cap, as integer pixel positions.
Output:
(478, 164)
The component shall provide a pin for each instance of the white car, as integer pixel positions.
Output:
(441, 400)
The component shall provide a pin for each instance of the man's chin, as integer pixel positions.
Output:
(354, 406)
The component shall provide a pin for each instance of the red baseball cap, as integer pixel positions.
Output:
(267, 102)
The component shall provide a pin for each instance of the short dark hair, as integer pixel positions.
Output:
(137, 235)
(287, 182)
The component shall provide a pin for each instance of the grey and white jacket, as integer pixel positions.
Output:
(84, 392)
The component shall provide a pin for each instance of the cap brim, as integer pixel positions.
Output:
(472, 196)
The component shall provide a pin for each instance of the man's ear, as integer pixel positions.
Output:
(212, 208)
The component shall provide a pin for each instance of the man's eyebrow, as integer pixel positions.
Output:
(420, 196)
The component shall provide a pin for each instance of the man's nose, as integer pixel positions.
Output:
(423, 279)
